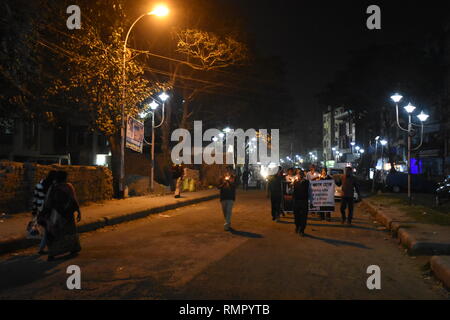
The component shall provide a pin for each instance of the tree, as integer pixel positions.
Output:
(92, 63)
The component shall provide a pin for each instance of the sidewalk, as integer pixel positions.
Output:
(99, 215)
(418, 238)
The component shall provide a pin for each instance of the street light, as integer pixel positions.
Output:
(411, 132)
(164, 96)
(154, 105)
(159, 11)
(409, 108)
(422, 116)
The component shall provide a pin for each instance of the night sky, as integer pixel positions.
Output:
(316, 38)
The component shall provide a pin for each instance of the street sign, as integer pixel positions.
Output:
(135, 135)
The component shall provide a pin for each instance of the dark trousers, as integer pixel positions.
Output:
(301, 214)
(245, 184)
(322, 215)
(347, 201)
(276, 205)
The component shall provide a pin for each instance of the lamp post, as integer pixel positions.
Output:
(376, 162)
(154, 105)
(411, 132)
(163, 96)
(159, 11)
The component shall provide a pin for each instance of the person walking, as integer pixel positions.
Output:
(59, 207)
(245, 177)
(227, 186)
(325, 176)
(177, 178)
(275, 192)
(301, 197)
(312, 173)
(349, 186)
(40, 191)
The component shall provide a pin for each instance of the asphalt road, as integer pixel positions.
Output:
(185, 254)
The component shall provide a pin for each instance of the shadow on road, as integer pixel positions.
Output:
(285, 222)
(23, 269)
(342, 226)
(246, 234)
(339, 242)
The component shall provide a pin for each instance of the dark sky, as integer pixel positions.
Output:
(315, 38)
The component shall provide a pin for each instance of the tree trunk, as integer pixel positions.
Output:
(185, 117)
(165, 131)
(114, 142)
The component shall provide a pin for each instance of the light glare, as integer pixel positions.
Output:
(160, 11)
(396, 97)
(410, 108)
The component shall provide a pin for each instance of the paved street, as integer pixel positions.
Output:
(185, 254)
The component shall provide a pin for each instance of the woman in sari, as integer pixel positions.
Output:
(59, 208)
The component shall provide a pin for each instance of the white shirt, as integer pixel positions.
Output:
(312, 176)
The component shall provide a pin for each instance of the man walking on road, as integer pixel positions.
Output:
(275, 192)
(177, 177)
(348, 187)
(301, 197)
(245, 177)
(227, 186)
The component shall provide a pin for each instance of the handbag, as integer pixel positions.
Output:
(33, 231)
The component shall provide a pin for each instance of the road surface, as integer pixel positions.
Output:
(186, 254)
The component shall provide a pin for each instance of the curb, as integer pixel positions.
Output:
(20, 242)
(440, 265)
(399, 229)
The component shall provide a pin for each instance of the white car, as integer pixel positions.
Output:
(338, 193)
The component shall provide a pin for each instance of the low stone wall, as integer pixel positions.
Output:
(17, 181)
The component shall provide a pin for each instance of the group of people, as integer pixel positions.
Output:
(54, 205)
(295, 183)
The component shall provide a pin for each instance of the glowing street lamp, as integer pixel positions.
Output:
(153, 105)
(409, 108)
(159, 11)
(163, 96)
(396, 97)
(422, 117)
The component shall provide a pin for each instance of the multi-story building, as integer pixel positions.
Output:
(339, 132)
(31, 140)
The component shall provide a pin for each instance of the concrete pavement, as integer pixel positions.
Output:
(185, 254)
(99, 215)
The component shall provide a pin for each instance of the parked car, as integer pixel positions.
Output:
(398, 181)
(443, 191)
(336, 174)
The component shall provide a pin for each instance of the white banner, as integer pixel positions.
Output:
(322, 196)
